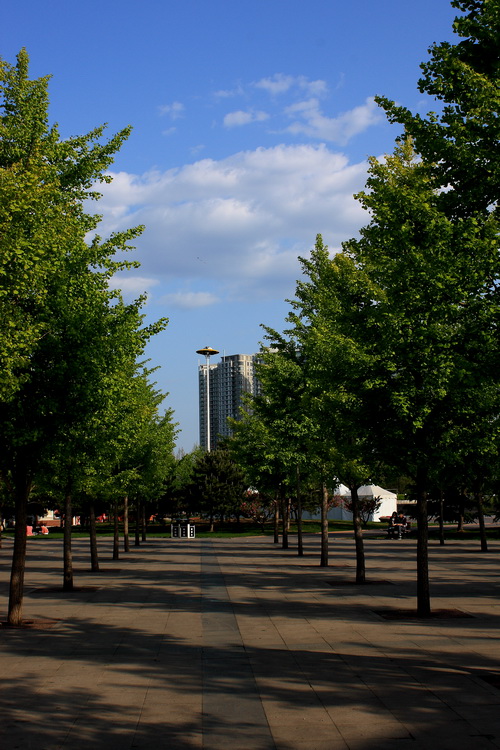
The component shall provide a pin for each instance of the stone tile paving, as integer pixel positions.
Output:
(240, 644)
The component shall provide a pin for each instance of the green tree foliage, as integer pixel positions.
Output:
(461, 141)
(459, 145)
(43, 182)
(397, 340)
(434, 274)
(398, 334)
(218, 485)
(177, 497)
(281, 413)
(431, 295)
(64, 334)
(332, 320)
(145, 443)
(331, 327)
(254, 447)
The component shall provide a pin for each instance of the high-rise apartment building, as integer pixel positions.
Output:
(229, 379)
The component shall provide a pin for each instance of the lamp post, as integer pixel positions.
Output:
(208, 352)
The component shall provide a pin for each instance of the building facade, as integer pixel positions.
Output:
(229, 379)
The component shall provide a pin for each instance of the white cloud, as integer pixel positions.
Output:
(304, 111)
(240, 117)
(312, 122)
(238, 224)
(174, 110)
(127, 283)
(189, 300)
(277, 84)
(132, 286)
(228, 93)
(281, 84)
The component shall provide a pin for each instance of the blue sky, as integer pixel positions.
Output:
(252, 124)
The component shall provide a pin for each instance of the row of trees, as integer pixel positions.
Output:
(211, 484)
(389, 363)
(79, 415)
(222, 485)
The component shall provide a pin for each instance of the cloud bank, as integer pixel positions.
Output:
(241, 117)
(233, 228)
(282, 84)
(309, 120)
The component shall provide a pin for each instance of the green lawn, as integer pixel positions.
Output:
(248, 528)
(230, 529)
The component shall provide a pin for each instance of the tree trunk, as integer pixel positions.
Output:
(324, 527)
(94, 559)
(67, 553)
(116, 533)
(284, 518)
(423, 592)
(144, 527)
(137, 542)
(126, 541)
(480, 514)
(276, 518)
(441, 518)
(461, 513)
(22, 491)
(300, 541)
(358, 536)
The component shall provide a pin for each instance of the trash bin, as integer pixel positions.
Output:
(182, 528)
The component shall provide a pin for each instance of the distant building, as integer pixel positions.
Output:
(230, 378)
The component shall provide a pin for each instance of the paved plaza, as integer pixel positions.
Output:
(239, 644)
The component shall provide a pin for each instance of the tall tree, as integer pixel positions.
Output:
(177, 496)
(60, 372)
(331, 321)
(253, 447)
(148, 455)
(421, 261)
(278, 408)
(460, 142)
(282, 408)
(218, 483)
(459, 145)
(43, 183)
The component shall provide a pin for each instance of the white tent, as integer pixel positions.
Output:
(387, 506)
(389, 501)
